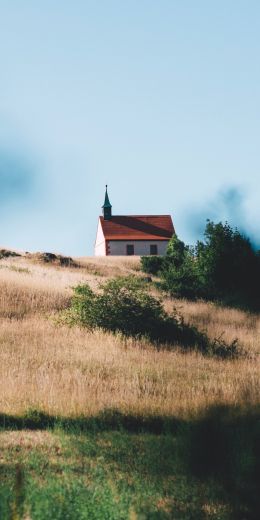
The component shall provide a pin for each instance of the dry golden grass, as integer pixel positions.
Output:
(111, 266)
(69, 371)
(221, 321)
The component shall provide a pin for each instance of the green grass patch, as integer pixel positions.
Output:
(109, 475)
(116, 466)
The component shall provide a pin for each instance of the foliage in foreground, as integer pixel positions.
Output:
(124, 305)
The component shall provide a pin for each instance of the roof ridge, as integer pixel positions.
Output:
(143, 215)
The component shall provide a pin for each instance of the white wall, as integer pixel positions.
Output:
(100, 245)
(141, 247)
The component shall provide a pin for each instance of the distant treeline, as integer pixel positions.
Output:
(223, 267)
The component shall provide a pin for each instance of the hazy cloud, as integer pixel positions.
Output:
(228, 205)
(16, 177)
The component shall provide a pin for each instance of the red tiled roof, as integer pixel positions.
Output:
(138, 227)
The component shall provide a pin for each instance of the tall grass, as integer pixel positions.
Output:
(72, 372)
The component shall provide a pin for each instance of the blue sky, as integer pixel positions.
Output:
(159, 99)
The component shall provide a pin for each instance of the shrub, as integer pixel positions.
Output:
(124, 305)
(5, 253)
(152, 264)
(52, 258)
(179, 273)
(182, 281)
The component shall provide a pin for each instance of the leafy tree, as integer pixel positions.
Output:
(179, 270)
(227, 264)
(223, 266)
(176, 252)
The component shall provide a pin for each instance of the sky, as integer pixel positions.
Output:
(158, 99)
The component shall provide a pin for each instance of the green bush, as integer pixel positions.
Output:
(152, 264)
(182, 281)
(124, 305)
(179, 273)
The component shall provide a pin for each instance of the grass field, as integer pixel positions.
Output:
(93, 427)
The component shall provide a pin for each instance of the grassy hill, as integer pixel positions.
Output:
(93, 426)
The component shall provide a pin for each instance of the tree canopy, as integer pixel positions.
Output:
(222, 266)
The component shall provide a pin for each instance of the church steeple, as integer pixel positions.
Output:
(107, 207)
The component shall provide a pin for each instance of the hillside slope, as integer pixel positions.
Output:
(51, 373)
(68, 371)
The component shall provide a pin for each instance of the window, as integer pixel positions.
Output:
(130, 250)
(153, 249)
